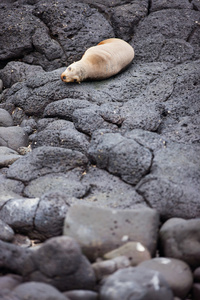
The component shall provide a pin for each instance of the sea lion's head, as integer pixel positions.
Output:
(74, 73)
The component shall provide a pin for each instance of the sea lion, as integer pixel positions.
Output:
(106, 59)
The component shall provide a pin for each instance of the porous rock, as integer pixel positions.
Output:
(179, 239)
(45, 160)
(176, 272)
(61, 133)
(120, 156)
(111, 229)
(107, 190)
(172, 187)
(138, 283)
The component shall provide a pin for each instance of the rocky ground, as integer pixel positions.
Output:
(99, 181)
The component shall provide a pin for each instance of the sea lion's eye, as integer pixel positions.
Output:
(64, 77)
(69, 69)
(75, 80)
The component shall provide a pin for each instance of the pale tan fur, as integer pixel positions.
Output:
(106, 59)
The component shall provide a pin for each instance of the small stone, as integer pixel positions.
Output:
(22, 241)
(7, 156)
(105, 268)
(180, 239)
(111, 229)
(176, 272)
(5, 118)
(135, 283)
(81, 295)
(134, 251)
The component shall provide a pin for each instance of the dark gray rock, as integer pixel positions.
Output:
(176, 272)
(166, 26)
(107, 190)
(163, 4)
(82, 295)
(124, 17)
(69, 184)
(64, 108)
(15, 259)
(120, 156)
(59, 262)
(38, 290)
(46, 160)
(5, 118)
(6, 232)
(172, 187)
(137, 283)
(13, 137)
(7, 156)
(17, 71)
(61, 133)
(9, 189)
(196, 291)
(111, 229)
(1, 85)
(50, 215)
(180, 239)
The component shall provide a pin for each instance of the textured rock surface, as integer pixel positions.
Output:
(130, 142)
(111, 229)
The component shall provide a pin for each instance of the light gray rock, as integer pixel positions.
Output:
(6, 232)
(13, 137)
(179, 239)
(19, 214)
(134, 251)
(111, 229)
(7, 156)
(104, 268)
(5, 118)
(137, 283)
(176, 272)
(9, 282)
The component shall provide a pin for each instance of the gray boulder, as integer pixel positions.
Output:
(111, 229)
(137, 283)
(13, 137)
(179, 239)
